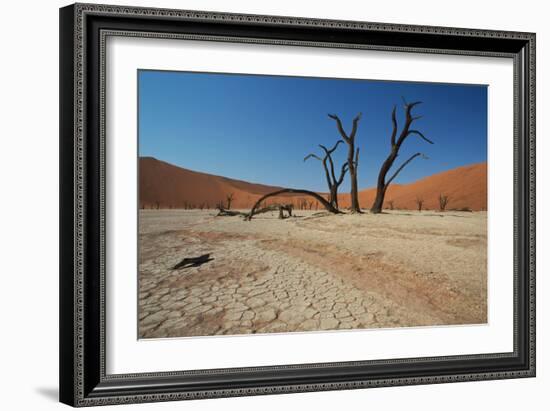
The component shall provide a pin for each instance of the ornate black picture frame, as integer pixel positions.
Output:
(83, 30)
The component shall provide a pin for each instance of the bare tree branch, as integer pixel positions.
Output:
(342, 174)
(312, 156)
(331, 168)
(394, 123)
(411, 158)
(345, 136)
(340, 127)
(324, 161)
(328, 154)
(408, 121)
(422, 136)
(332, 149)
(354, 127)
(410, 106)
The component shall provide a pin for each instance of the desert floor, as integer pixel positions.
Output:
(310, 272)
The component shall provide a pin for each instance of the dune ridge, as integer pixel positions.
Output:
(163, 185)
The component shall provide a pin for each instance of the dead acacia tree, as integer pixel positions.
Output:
(353, 158)
(328, 206)
(396, 144)
(443, 201)
(419, 203)
(222, 212)
(229, 197)
(328, 165)
(281, 208)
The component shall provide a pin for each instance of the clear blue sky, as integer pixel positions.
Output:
(259, 128)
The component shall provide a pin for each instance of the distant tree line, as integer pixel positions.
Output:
(296, 203)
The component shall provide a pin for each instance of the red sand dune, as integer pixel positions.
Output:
(465, 186)
(168, 186)
(175, 187)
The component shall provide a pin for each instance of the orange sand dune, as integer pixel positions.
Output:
(167, 186)
(465, 186)
(170, 186)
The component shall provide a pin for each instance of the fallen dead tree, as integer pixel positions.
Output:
(281, 208)
(223, 212)
(255, 210)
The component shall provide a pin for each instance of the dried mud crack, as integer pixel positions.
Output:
(270, 276)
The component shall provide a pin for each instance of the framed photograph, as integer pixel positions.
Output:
(260, 204)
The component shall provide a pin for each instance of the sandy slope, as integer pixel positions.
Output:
(466, 187)
(175, 187)
(310, 272)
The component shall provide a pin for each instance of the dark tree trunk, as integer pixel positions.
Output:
(328, 206)
(353, 159)
(355, 207)
(383, 184)
(379, 200)
(334, 196)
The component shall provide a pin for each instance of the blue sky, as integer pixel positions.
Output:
(259, 128)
